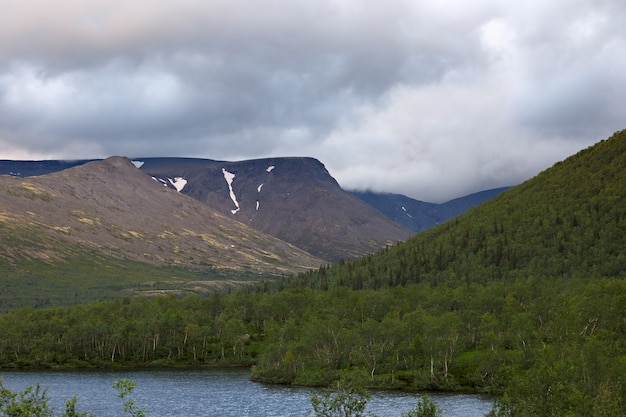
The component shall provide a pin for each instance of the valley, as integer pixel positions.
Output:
(521, 297)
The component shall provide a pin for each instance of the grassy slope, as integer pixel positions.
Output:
(92, 277)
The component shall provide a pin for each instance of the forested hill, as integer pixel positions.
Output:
(568, 221)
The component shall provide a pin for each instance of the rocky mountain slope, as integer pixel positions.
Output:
(293, 199)
(112, 209)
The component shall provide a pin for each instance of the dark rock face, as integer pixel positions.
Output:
(293, 199)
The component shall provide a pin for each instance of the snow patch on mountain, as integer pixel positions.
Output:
(270, 168)
(137, 164)
(258, 190)
(229, 177)
(178, 183)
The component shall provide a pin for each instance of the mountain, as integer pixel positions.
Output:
(293, 199)
(568, 221)
(34, 168)
(110, 222)
(419, 215)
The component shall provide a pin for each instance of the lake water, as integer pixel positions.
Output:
(212, 392)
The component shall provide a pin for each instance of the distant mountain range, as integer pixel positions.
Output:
(300, 202)
(84, 227)
(420, 215)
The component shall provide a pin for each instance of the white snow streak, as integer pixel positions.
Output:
(258, 190)
(270, 168)
(229, 176)
(160, 180)
(137, 164)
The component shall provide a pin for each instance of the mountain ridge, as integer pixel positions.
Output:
(300, 202)
(292, 198)
(421, 215)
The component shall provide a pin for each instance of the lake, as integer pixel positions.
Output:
(212, 392)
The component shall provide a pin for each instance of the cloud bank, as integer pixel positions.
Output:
(430, 99)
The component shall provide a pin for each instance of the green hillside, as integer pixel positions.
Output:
(88, 276)
(569, 221)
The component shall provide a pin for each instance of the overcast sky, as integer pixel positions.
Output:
(432, 99)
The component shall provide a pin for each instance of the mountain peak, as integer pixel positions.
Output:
(294, 199)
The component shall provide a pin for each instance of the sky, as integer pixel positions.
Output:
(434, 99)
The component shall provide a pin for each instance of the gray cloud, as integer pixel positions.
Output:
(430, 100)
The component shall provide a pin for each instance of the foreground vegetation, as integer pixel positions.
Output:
(344, 400)
(34, 402)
